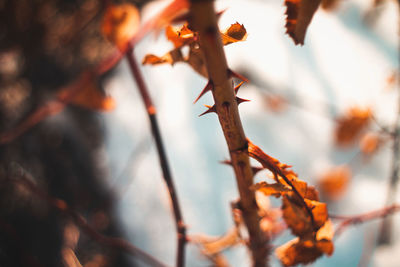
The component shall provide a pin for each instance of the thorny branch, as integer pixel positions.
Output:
(25, 179)
(151, 112)
(204, 21)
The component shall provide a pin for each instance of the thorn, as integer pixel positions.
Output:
(209, 86)
(220, 13)
(209, 110)
(241, 100)
(237, 87)
(231, 73)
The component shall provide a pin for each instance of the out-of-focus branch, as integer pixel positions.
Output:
(26, 180)
(362, 218)
(151, 112)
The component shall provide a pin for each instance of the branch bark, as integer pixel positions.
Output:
(204, 21)
(151, 112)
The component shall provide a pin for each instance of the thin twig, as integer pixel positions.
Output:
(151, 112)
(352, 220)
(25, 179)
(204, 21)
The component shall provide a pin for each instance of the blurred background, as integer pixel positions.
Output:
(105, 166)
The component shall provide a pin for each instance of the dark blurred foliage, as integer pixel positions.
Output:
(45, 44)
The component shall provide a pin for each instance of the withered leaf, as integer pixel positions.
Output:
(351, 124)
(90, 97)
(179, 37)
(275, 189)
(196, 61)
(299, 15)
(335, 181)
(370, 143)
(297, 217)
(235, 33)
(120, 24)
(230, 238)
(171, 57)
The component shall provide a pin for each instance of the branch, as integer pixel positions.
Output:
(204, 21)
(25, 179)
(151, 112)
(353, 220)
(385, 234)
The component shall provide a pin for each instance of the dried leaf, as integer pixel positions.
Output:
(349, 126)
(179, 37)
(235, 33)
(275, 189)
(270, 163)
(197, 62)
(171, 57)
(334, 182)
(370, 143)
(120, 24)
(90, 97)
(297, 217)
(230, 238)
(299, 15)
(329, 5)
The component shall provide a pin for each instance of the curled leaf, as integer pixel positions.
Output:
(299, 15)
(171, 57)
(235, 33)
(297, 217)
(276, 189)
(120, 24)
(179, 37)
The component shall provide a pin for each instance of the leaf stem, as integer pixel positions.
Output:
(151, 112)
(204, 20)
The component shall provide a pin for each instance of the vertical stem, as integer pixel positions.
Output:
(151, 112)
(386, 231)
(204, 22)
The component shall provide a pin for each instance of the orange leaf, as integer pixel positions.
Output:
(349, 126)
(297, 217)
(370, 143)
(268, 162)
(275, 189)
(120, 24)
(171, 57)
(335, 181)
(180, 37)
(90, 97)
(235, 33)
(299, 15)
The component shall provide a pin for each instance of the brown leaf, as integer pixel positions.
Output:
(297, 217)
(370, 143)
(334, 182)
(299, 15)
(90, 97)
(120, 24)
(235, 33)
(171, 57)
(351, 124)
(275, 189)
(270, 163)
(196, 61)
(179, 37)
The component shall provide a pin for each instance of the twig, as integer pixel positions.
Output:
(352, 220)
(385, 234)
(204, 20)
(25, 179)
(151, 112)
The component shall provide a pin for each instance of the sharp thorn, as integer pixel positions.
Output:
(207, 88)
(241, 100)
(209, 110)
(237, 87)
(231, 73)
